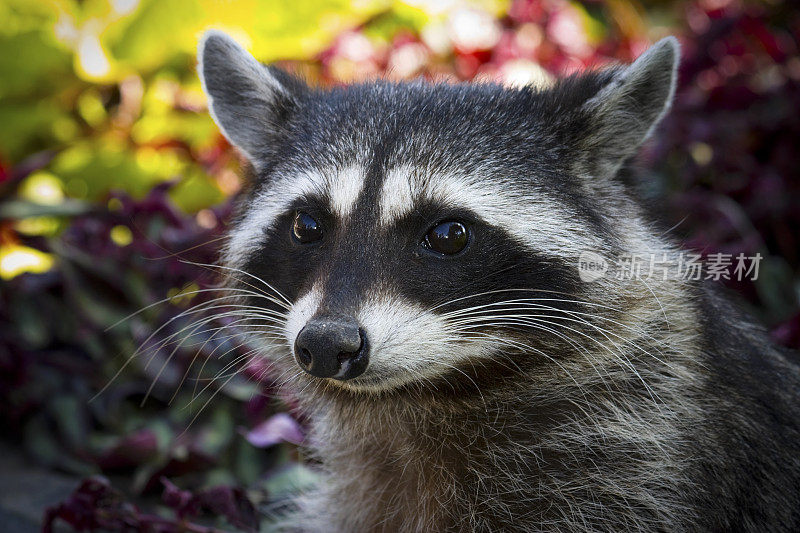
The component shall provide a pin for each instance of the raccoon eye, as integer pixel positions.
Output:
(447, 238)
(305, 228)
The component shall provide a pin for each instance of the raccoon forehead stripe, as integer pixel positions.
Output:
(532, 218)
(397, 194)
(344, 188)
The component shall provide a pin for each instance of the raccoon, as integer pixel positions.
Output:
(408, 256)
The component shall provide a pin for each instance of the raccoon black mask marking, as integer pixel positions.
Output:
(409, 252)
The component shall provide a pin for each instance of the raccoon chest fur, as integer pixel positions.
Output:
(492, 462)
(398, 479)
(438, 470)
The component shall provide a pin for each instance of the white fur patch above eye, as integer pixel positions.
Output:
(343, 187)
(397, 194)
(531, 217)
(263, 209)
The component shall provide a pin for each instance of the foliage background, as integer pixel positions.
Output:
(115, 187)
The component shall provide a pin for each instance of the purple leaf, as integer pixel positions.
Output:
(278, 428)
(181, 501)
(233, 504)
(131, 450)
(96, 505)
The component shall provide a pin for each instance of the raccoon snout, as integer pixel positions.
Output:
(332, 347)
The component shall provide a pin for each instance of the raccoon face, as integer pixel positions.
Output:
(417, 230)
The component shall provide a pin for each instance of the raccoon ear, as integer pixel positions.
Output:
(624, 112)
(250, 102)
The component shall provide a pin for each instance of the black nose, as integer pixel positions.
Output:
(332, 347)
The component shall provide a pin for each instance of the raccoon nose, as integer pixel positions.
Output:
(332, 348)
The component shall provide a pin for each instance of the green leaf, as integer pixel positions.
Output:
(37, 65)
(196, 193)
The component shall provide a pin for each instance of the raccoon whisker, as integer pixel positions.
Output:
(513, 301)
(290, 379)
(241, 317)
(534, 303)
(289, 369)
(546, 291)
(264, 371)
(316, 384)
(620, 354)
(221, 375)
(198, 378)
(537, 300)
(258, 380)
(256, 292)
(453, 367)
(572, 318)
(201, 321)
(214, 332)
(288, 303)
(622, 358)
(238, 326)
(210, 399)
(556, 317)
(179, 337)
(526, 304)
(281, 380)
(584, 351)
(426, 382)
(227, 310)
(192, 293)
(580, 317)
(580, 349)
(522, 345)
(630, 342)
(522, 320)
(237, 360)
(472, 283)
(199, 350)
(178, 346)
(575, 345)
(159, 302)
(203, 306)
(262, 326)
(196, 246)
(230, 273)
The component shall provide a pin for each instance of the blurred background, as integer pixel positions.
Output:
(115, 189)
